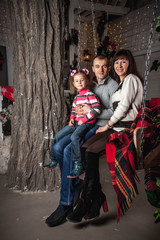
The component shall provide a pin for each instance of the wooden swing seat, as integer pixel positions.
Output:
(153, 157)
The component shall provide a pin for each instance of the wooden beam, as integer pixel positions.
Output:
(114, 2)
(115, 10)
(122, 2)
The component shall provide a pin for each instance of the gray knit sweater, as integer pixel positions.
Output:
(105, 91)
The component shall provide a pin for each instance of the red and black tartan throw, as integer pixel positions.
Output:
(120, 152)
(121, 157)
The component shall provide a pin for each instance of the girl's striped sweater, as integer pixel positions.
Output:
(85, 96)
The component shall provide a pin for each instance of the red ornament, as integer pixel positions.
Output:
(114, 46)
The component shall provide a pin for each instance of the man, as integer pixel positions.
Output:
(103, 87)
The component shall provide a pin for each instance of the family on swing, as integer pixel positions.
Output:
(102, 106)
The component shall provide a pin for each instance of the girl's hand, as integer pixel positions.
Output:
(102, 129)
(80, 122)
(71, 122)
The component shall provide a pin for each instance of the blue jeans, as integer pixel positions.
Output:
(61, 150)
(77, 138)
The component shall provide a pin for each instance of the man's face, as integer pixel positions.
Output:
(100, 68)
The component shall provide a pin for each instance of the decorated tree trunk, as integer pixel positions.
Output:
(39, 108)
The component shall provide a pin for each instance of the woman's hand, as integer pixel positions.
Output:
(102, 129)
(82, 109)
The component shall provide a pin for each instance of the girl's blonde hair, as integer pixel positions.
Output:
(71, 79)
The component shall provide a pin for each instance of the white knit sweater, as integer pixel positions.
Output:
(129, 97)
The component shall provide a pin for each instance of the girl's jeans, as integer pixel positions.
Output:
(77, 139)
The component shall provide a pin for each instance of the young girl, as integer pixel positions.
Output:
(78, 125)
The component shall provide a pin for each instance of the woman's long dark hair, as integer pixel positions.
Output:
(132, 68)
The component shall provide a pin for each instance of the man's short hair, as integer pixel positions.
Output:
(102, 56)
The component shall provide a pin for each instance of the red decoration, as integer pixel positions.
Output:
(114, 46)
(7, 92)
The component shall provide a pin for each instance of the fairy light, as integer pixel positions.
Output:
(132, 30)
(129, 31)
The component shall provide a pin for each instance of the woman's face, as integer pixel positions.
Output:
(121, 67)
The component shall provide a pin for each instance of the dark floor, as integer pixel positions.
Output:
(22, 216)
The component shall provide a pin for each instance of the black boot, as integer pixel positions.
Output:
(98, 202)
(59, 215)
(98, 197)
(85, 202)
(80, 211)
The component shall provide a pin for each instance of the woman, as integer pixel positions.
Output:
(126, 104)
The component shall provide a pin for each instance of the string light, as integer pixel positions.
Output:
(132, 31)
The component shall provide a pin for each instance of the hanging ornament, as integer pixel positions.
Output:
(86, 55)
(106, 47)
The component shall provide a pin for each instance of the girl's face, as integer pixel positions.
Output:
(80, 81)
(121, 67)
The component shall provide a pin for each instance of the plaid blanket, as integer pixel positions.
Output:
(121, 156)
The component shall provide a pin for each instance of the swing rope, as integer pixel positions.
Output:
(94, 27)
(146, 73)
(79, 32)
(79, 35)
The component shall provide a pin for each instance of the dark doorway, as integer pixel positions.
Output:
(3, 66)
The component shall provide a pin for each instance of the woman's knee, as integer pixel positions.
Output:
(91, 148)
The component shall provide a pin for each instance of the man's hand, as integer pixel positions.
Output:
(82, 109)
(80, 122)
(71, 122)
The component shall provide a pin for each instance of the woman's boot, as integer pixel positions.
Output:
(98, 198)
(98, 202)
(80, 211)
(88, 193)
